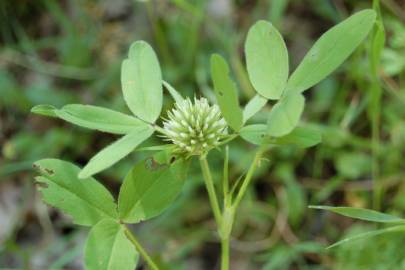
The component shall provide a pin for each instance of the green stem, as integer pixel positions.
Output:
(377, 45)
(248, 177)
(140, 249)
(209, 184)
(229, 138)
(225, 221)
(159, 129)
(225, 180)
(225, 230)
(225, 253)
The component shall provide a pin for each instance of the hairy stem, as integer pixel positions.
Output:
(140, 249)
(209, 184)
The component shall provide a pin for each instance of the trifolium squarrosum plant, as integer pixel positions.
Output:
(190, 130)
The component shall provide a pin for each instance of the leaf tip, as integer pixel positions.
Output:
(263, 22)
(44, 109)
(215, 56)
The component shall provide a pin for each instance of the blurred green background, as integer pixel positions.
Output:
(60, 52)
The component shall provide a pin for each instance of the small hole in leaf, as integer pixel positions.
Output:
(172, 159)
(221, 94)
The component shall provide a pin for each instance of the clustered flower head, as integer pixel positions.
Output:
(194, 128)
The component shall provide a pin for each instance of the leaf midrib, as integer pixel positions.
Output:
(144, 193)
(112, 248)
(101, 122)
(83, 199)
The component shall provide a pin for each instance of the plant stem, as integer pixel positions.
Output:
(225, 230)
(229, 138)
(225, 220)
(248, 177)
(140, 249)
(225, 180)
(225, 253)
(209, 184)
(159, 129)
(377, 45)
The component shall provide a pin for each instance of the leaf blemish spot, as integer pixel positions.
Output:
(42, 185)
(49, 171)
(152, 165)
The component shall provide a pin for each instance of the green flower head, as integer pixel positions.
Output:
(194, 128)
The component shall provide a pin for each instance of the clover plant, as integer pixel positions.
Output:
(193, 129)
